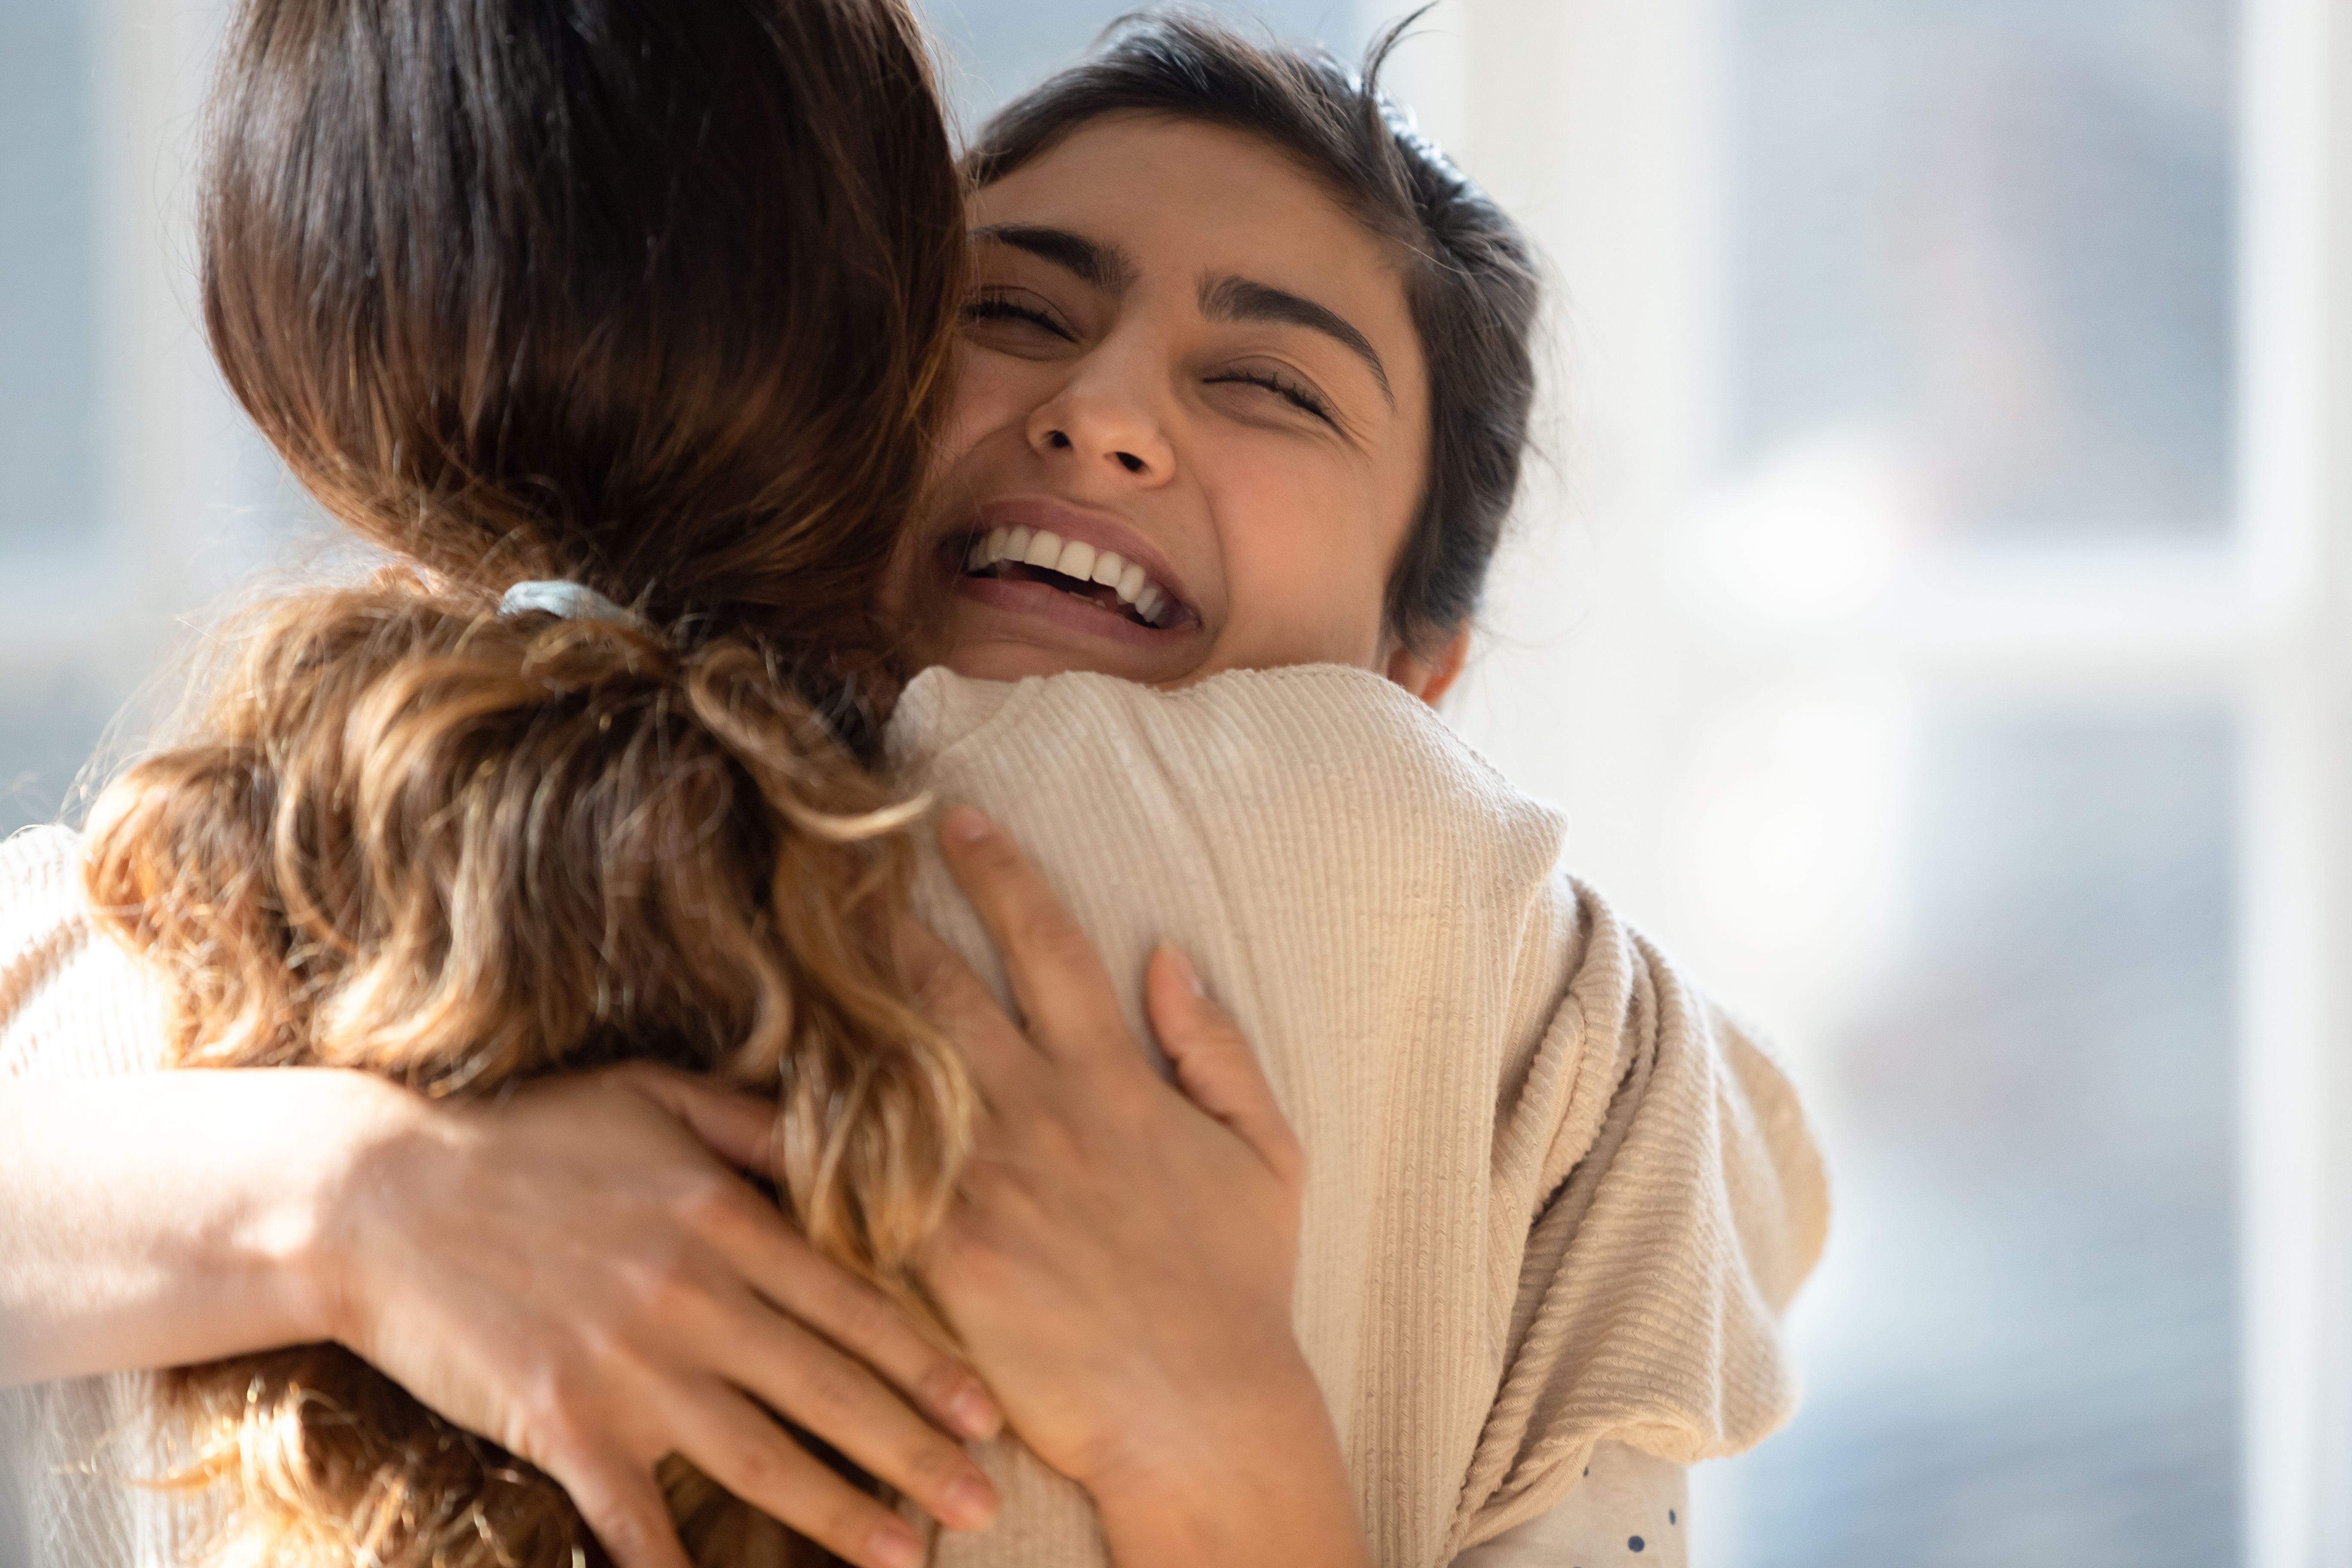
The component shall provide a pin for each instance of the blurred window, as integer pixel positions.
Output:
(133, 495)
(2023, 1347)
(997, 47)
(1999, 231)
(49, 299)
(1980, 361)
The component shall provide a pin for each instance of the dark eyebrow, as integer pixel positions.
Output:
(1239, 299)
(1105, 266)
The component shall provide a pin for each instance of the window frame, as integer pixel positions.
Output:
(2258, 623)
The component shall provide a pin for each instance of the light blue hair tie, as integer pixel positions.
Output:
(567, 601)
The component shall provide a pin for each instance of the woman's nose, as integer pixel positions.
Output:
(1105, 434)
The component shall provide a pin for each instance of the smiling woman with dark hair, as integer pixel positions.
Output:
(1240, 412)
(1470, 282)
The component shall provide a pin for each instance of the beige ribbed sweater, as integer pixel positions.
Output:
(74, 1005)
(1554, 1195)
(1555, 1198)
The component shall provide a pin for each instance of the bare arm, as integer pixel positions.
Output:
(576, 1273)
(162, 1219)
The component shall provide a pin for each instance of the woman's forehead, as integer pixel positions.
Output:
(1192, 186)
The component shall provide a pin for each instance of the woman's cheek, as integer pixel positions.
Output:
(1305, 597)
(990, 395)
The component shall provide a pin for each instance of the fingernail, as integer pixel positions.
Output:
(970, 1504)
(1186, 971)
(966, 825)
(894, 1546)
(974, 1413)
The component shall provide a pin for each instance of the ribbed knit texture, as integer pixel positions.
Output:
(73, 1006)
(1554, 1195)
(1554, 1198)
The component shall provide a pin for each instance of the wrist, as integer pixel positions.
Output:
(309, 1237)
(1254, 1475)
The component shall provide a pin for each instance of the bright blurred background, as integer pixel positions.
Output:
(1932, 607)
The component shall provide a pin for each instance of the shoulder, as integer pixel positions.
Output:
(40, 892)
(36, 854)
(1340, 750)
(72, 1004)
(1309, 708)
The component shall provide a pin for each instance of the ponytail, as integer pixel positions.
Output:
(458, 850)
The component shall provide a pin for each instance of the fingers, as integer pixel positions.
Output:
(953, 998)
(624, 1506)
(923, 958)
(740, 1128)
(822, 1375)
(1058, 980)
(862, 1321)
(743, 1448)
(791, 1371)
(1214, 1065)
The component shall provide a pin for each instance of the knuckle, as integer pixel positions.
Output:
(716, 1205)
(939, 1382)
(1120, 1090)
(553, 1430)
(624, 1534)
(1049, 931)
(998, 854)
(664, 1286)
(933, 1465)
(859, 1317)
(1116, 1110)
(557, 1402)
(759, 1468)
(961, 1253)
(825, 1387)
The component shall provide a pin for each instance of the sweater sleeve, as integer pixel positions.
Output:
(72, 1004)
(1679, 1201)
(1625, 1502)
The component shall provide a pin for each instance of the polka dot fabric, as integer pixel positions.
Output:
(1626, 1508)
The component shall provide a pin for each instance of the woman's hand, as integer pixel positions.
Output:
(1120, 1259)
(573, 1273)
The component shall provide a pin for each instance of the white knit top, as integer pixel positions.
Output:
(1555, 1201)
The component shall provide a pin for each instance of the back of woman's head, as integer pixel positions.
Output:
(653, 296)
(649, 294)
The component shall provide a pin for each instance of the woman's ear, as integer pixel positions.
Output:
(1428, 678)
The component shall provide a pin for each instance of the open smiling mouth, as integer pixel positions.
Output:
(1100, 577)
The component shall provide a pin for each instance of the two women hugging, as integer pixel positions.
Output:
(875, 872)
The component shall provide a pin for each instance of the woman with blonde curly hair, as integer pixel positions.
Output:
(649, 304)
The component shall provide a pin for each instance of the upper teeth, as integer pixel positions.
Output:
(1072, 558)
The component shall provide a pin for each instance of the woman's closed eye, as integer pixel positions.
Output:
(1007, 308)
(1297, 393)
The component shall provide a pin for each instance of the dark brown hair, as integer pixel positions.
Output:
(1470, 279)
(655, 297)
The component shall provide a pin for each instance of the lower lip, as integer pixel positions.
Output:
(1042, 603)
